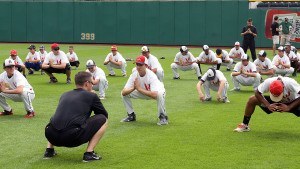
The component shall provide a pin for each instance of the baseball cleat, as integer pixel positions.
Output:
(5, 113)
(207, 99)
(242, 128)
(163, 120)
(235, 89)
(68, 81)
(129, 118)
(176, 77)
(49, 153)
(199, 78)
(29, 115)
(90, 156)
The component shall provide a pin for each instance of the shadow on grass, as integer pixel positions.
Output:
(277, 136)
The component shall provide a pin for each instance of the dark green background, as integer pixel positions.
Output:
(216, 23)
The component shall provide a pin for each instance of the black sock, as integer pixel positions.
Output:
(246, 120)
(218, 66)
(199, 68)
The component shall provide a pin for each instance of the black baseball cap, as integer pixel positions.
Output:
(31, 47)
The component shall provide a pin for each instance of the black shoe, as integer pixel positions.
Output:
(53, 80)
(68, 81)
(163, 120)
(90, 156)
(176, 77)
(228, 69)
(49, 153)
(199, 78)
(30, 72)
(294, 74)
(129, 118)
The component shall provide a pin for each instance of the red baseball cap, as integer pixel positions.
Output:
(114, 47)
(54, 46)
(13, 52)
(141, 60)
(276, 91)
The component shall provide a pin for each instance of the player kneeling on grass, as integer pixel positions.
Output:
(215, 80)
(99, 80)
(14, 86)
(144, 84)
(71, 125)
(284, 97)
(56, 62)
(244, 73)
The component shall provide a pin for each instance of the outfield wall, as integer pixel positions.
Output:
(216, 23)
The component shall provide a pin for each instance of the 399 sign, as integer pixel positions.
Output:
(87, 36)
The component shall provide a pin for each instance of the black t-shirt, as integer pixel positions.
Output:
(249, 36)
(273, 27)
(75, 107)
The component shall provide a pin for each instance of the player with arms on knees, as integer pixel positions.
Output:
(284, 97)
(144, 84)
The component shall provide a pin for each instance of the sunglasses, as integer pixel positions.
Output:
(139, 64)
(9, 67)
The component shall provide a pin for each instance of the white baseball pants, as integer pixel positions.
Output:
(215, 87)
(284, 72)
(110, 67)
(137, 95)
(101, 87)
(26, 97)
(228, 64)
(246, 81)
(174, 67)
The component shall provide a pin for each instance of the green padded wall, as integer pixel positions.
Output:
(215, 23)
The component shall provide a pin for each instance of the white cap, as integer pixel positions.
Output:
(183, 49)
(262, 53)
(145, 49)
(211, 73)
(237, 44)
(280, 48)
(90, 63)
(244, 57)
(9, 62)
(205, 47)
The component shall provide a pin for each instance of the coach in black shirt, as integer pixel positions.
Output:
(249, 33)
(275, 33)
(72, 125)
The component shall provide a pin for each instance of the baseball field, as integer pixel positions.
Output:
(199, 135)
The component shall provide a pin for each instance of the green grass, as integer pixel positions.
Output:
(199, 134)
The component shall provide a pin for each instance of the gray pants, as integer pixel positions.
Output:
(101, 87)
(284, 72)
(207, 85)
(246, 81)
(174, 67)
(137, 95)
(285, 38)
(26, 97)
(110, 67)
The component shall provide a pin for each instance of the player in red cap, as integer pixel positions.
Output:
(115, 60)
(19, 65)
(284, 97)
(56, 62)
(144, 84)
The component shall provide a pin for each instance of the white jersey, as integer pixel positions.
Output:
(154, 63)
(236, 52)
(290, 90)
(149, 82)
(16, 80)
(250, 68)
(265, 65)
(72, 57)
(35, 56)
(118, 57)
(18, 61)
(43, 55)
(97, 73)
(284, 60)
(189, 57)
(210, 57)
(57, 59)
(291, 55)
(224, 55)
(218, 77)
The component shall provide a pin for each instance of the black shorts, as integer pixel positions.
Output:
(295, 111)
(54, 70)
(75, 135)
(75, 63)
